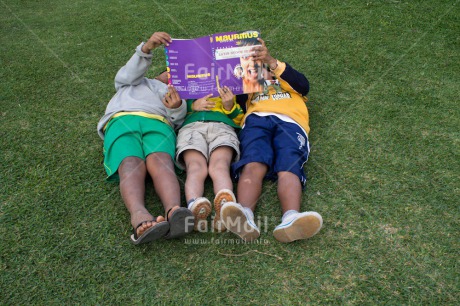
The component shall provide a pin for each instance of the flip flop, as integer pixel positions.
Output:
(181, 222)
(152, 233)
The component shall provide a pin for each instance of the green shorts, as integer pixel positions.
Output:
(137, 136)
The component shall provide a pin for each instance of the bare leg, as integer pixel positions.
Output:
(296, 226)
(289, 191)
(219, 168)
(250, 184)
(161, 168)
(132, 173)
(197, 171)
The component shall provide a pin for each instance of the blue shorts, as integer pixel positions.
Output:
(281, 145)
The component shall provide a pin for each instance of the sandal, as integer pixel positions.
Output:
(152, 233)
(181, 222)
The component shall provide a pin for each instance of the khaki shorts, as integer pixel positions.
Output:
(205, 137)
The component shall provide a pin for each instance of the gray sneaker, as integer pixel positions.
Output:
(298, 226)
(237, 220)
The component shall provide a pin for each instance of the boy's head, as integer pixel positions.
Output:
(162, 77)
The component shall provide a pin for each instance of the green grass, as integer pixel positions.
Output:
(383, 170)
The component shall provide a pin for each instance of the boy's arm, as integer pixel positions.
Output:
(201, 104)
(235, 113)
(291, 77)
(284, 72)
(229, 105)
(176, 108)
(177, 115)
(134, 71)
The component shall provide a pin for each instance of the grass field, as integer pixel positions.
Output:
(383, 170)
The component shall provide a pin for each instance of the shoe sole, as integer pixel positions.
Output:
(241, 229)
(180, 223)
(221, 198)
(302, 228)
(201, 211)
(155, 232)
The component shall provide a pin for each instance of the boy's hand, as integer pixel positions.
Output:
(203, 104)
(172, 98)
(227, 97)
(157, 39)
(260, 53)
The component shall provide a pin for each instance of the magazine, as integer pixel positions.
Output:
(197, 67)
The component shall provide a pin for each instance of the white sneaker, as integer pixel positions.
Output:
(201, 209)
(298, 226)
(222, 197)
(238, 221)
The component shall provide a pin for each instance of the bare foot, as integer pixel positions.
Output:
(172, 210)
(142, 221)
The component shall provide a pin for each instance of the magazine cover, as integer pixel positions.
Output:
(197, 67)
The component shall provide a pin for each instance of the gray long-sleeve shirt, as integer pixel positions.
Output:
(136, 93)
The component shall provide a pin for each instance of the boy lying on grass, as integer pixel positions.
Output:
(274, 144)
(207, 143)
(139, 139)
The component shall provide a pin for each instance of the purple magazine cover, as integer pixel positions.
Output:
(197, 67)
(233, 66)
(189, 63)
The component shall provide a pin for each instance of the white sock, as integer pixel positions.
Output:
(249, 211)
(288, 213)
(190, 202)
